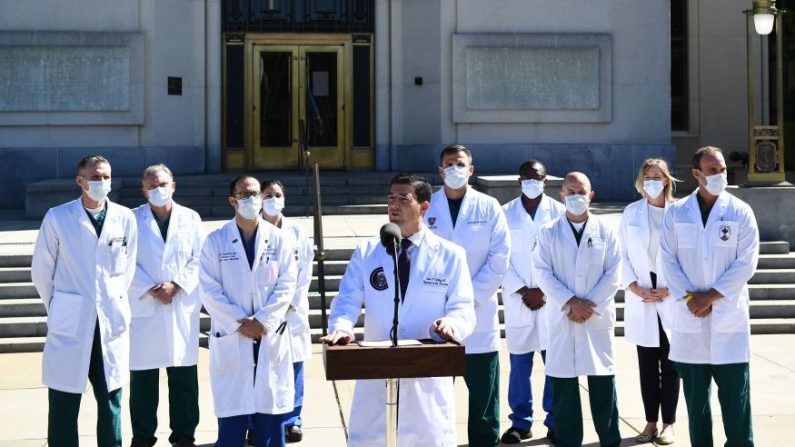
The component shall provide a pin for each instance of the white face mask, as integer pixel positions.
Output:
(577, 204)
(653, 188)
(455, 177)
(717, 183)
(98, 189)
(532, 188)
(273, 206)
(159, 196)
(249, 208)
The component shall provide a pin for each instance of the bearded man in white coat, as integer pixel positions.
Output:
(709, 248)
(83, 263)
(525, 306)
(475, 221)
(248, 274)
(165, 312)
(577, 265)
(438, 303)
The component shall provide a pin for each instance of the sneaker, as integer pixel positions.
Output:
(515, 435)
(551, 435)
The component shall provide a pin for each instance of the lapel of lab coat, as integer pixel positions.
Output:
(235, 243)
(588, 243)
(173, 224)
(716, 214)
(467, 206)
(419, 266)
(81, 216)
(387, 263)
(440, 210)
(641, 258)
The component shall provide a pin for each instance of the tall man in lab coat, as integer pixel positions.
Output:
(525, 306)
(165, 312)
(83, 263)
(577, 266)
(247, 281)
(476, 222)
(438, 304)
(709, 246)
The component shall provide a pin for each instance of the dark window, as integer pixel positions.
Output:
(361, 96)
(234, 96)
(679, 76)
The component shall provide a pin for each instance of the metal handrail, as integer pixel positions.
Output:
(320, 255)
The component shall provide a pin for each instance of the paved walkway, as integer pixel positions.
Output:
(23, 400)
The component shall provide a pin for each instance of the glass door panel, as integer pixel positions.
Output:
(322, 107)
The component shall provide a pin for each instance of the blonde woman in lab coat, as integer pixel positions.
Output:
(646, 303)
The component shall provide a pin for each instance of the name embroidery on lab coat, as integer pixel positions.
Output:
(724, 232)
(378, 279)
(434, 281)
(228, 256)
(477, 222)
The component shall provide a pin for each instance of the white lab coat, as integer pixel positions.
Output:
(83, 279)
(481, 229)
(640, 319)
(439, 287)
(165, 335)
(721, 256)
(232, 291)
(525, 329)
(298, 313)
(589, 271)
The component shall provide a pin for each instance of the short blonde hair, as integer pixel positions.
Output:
(660, 164)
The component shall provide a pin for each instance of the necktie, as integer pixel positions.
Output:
(404, 266)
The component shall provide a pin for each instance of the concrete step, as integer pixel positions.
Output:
(12, 290)
(779, 261)
(9, 261)
(773, 276)
(333, 268)
(37, 326)
(774, 248)
(22, 307)
(14, 274)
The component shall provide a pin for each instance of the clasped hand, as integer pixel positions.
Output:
(532, 298)
(251, 328)
(580, 310)
(649, 295)
(165, 291)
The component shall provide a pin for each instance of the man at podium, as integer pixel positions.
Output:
(438, 303)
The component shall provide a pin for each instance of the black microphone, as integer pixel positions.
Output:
(390, 237)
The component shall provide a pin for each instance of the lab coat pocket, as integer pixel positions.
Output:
(683, 320)
(686, 235)
(269, 272)
(63, 316)
(225, 352)
(521, 240)
(118, 259)
(143, 306)
(730, 315)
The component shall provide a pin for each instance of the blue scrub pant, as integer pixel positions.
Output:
(268, 431)
(520, 392)
(293, 418)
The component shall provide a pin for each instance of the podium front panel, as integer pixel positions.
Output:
(352, 362)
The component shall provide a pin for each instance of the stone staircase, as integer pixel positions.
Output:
(23, 320)
(341, 192)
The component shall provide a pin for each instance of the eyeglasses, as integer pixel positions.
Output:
(246, 194)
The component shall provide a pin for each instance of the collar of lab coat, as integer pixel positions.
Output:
(261, 242)
(173, 223)
(442, 208)
(79, 212)
(427, 246)
(519, 214)
(718, 209)
(641, 218)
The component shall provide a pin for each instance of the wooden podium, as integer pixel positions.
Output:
(430, 359)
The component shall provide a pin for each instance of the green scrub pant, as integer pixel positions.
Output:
(64, 407)
(183, 403)
(482, 377)
(567, 409)
(734, 395)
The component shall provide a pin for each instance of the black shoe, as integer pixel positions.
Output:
(515, 435)
(293, 434)
(551, 435)
(250, 438)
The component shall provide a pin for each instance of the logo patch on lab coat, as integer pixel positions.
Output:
(432, 222)
(378, 279)
(725, 232)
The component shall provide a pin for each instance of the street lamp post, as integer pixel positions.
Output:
(766, 141)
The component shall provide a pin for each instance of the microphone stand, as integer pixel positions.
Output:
(393, 385)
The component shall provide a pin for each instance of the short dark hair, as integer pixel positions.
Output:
(235, 181)
(530, 163)
(422, 188)
(264, 183)
(454, 149)
(702, 152)
(90, 160)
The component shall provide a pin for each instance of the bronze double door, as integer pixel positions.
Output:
(296, 95)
